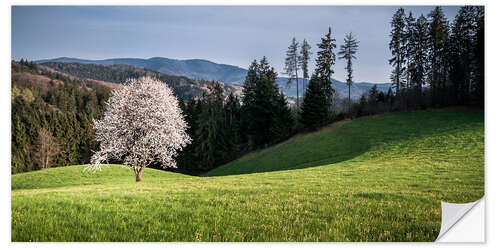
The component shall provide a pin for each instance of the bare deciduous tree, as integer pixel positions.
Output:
(142, 123)
(45, 148)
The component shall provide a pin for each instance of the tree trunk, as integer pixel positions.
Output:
(349, 108)
(297, 81)
(138, 174)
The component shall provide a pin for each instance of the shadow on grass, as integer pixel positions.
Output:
(346, 140)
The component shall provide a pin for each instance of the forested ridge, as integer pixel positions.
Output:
(182, 86)
(63, 106)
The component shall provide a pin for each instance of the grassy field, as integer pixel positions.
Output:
(378, 178)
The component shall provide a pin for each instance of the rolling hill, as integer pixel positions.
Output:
(378, 178)
(207, 70)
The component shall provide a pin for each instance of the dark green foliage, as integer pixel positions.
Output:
(373, 94)
(282, 120)
(65, 109)
(397, 44)
(222, 129)
(438, 37)
(231, 129)
(436, 64)
(466, 55)
(319, 94)
(315, 109)
(209, 135)
(417, 46)
(187, 160)
(263, 107)
(326, 56)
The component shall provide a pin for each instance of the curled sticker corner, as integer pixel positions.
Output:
(451, 213)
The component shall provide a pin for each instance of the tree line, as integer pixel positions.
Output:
(436, 63)
(222, 129)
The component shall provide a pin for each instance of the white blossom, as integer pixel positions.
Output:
(142, 123)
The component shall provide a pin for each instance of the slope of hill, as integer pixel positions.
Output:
(118, 73)
(207, 70)
(377, 178)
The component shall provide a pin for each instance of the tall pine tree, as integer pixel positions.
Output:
(292, 65)
(397, 46)
(347, 52)
(305, 56)
(438, 37)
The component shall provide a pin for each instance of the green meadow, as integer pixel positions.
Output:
(377, 178)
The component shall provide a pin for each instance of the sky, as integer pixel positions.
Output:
(223, 34)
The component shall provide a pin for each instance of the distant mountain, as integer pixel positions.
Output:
(182, 86)
(194, 68)
(207, 70)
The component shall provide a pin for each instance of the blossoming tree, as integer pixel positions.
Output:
(142, 123)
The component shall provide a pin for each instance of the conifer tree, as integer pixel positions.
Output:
(319, 94)
(478, 89)
(419, 52)
(438, 37)
(409, 48)
(314, 111)
(461, 49)
(347, 52)
(397, 45)
(262, 106)
(209, 123)
(231, 128)
(292, 65)
(305, 56)
(249, 104)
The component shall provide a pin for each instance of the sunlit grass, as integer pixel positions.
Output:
(378, 178)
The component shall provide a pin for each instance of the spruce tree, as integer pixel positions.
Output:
(209, 125)
(249, 104)
(305, 56)
(438, 37)
(463, 61)
(409, 49)
(319, 94)
(262, 106)
(419, 53)
(292, 65)
(282, 120)
(315, 110)
(231, 128)
(478, 89)
(397, 45)
(347, 52)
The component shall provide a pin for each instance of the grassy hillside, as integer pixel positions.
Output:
(376, 178)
